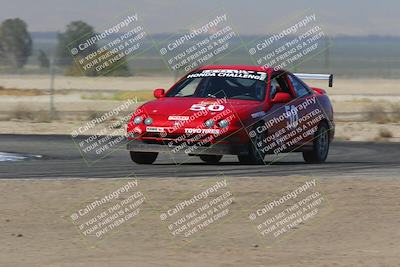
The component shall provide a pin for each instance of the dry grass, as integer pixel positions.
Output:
(143, 95)
(21, 92)
(30, 92)
(44, 116)
(23, 114)
(140, 96)
(91, 115)
(385, 133)
(95, 96)
(396, 112)
(377, 114)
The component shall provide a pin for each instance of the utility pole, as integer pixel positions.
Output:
(51, 70)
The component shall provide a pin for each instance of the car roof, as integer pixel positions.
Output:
(237, 67)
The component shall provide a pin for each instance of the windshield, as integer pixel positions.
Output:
(243, 85)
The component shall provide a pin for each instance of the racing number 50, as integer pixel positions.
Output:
(212, 107)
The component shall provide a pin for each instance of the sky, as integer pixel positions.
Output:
(339, 17)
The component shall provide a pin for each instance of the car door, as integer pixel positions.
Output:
(304, 108)
(276, 119)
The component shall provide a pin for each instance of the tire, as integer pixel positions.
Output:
(321, 144)
(255, 155)
(143, 157)
(211, 159)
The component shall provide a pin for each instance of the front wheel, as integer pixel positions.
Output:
(320, 146)
(211, 159)
(256, 152)
(143, 157)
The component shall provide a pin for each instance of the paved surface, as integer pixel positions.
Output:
(61, 159)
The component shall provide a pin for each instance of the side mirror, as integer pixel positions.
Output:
(158, 93)
(281, 97)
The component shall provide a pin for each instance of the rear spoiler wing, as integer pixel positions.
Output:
(308, 76)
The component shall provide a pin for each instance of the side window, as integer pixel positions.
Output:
(300, 89)
(274, 88)
(279, 84)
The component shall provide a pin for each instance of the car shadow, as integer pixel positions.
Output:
(277, 163)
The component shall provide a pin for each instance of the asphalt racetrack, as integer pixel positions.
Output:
(61, 159)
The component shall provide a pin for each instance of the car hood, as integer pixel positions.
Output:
(180, 106)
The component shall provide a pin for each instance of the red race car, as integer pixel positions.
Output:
(247, 111)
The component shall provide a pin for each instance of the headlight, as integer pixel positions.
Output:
(148, 121)
(223, 123)
(209, 123)
(137, 120)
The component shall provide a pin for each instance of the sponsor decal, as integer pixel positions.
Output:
(213, 107)
(178, 118)
(293, 118)
(155, 129)
(201, 131)
(246, 74)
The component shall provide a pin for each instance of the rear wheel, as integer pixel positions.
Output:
(255, 154)
(212, 159)
(320, 145)
(143, 157)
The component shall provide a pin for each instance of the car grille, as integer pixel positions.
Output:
(174, 139)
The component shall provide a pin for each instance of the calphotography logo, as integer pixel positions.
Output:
(109, 212)
(288, 213)
(205, 42)
(300, 40)
(106, 133)
(198, 212)
(109, 50)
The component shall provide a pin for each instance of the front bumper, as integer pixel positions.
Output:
(214, 149)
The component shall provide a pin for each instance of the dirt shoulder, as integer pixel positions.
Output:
(358, 227)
